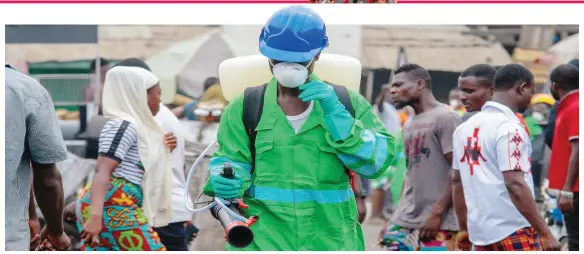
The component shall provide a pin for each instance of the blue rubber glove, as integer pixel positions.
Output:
(226, 188)
(338, 120)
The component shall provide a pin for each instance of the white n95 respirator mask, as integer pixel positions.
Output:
(290, 75)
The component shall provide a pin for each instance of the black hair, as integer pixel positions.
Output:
(510, 75)
(133, 62)
(484, 72)
(415, 71)
(565, 76)
(209, 82)
(93, 65)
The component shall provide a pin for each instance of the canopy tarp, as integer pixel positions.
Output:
(566, 49)
(186, 65)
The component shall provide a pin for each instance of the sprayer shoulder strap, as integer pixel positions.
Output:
(253, 105)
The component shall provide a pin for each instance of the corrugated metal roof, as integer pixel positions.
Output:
(50, 34)
(446, 48)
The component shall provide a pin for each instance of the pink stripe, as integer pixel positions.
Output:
(489, 2)
(150, 1)
(280, 1)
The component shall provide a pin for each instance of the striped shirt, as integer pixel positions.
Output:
(119, 141)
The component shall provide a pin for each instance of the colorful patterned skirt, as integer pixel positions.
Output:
(125, 228)
(525, 239)
(397, 238)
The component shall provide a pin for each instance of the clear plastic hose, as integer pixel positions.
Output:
(216, 201)
(233, 214)
(187, 197)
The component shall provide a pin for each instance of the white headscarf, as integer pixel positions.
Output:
(125, 97)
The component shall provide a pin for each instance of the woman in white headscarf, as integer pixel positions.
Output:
(131, 189)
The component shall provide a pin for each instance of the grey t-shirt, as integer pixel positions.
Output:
(427, 137)
(32, 134)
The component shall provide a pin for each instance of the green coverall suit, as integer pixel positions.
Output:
(299, 188)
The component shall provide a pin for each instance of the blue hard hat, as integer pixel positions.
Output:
(293, 34)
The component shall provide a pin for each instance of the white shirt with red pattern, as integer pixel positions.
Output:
(489, 143)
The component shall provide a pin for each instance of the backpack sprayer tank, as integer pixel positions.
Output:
(237, 74)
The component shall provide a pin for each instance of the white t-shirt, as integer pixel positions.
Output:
(486, 145)
(169, 123)
(297, 120)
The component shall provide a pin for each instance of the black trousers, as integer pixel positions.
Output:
(536, 172)
(571, 219)
(174, 236)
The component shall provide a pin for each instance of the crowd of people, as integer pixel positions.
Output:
(442, 177)
(497, 160)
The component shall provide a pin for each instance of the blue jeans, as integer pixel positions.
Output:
(174, 236)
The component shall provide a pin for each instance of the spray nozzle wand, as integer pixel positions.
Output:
(237, 229)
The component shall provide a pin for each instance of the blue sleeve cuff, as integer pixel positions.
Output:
(216, 166)
(339, 125)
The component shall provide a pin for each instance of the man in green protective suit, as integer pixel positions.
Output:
(305, 141)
